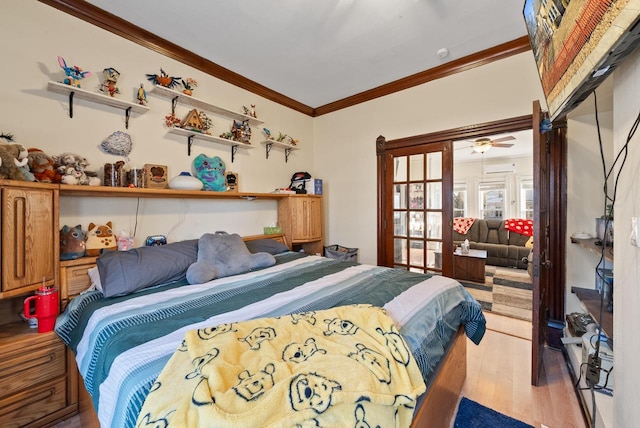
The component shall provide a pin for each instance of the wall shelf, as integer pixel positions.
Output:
(127, 192)
(590, 245)
(96, 97)
(269, 144)
(205, 137)
(177, 96)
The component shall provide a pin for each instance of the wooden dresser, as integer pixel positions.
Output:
(37, 388)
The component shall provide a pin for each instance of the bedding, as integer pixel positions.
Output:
(314, 368)
(122, 343)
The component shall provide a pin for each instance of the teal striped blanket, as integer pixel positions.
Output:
(123, 343)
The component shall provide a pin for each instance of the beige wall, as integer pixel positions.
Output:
(345, 154)
(626, 316)
(34, 34)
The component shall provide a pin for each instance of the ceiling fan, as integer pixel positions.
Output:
(481, 145)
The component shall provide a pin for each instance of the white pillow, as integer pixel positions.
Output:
(94, 274)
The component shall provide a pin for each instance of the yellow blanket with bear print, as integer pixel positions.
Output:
(341, 367)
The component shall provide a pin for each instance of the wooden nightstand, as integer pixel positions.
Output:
(37, 387)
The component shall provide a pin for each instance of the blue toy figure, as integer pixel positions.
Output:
(74, 74)
(211, 172)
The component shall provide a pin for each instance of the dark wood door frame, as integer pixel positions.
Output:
(555, 299)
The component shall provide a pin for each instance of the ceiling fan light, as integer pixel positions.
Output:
(481, 148)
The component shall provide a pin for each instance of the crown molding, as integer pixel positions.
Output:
(109, 22)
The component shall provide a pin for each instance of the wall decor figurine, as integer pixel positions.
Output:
(197, 121)
(250, 111)
(267, 133)
(142, 96)
(189, 85)
(111, 76)
(211, 171)
(241, 131)
(74, 74)
(163, 79)
(118, 143)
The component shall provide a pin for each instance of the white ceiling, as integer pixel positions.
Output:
(320, 51)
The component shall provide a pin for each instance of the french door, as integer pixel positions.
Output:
(418, 210)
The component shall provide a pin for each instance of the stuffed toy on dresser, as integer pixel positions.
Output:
(99, 238)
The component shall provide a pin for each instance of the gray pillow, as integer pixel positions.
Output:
(270, 246)
(123, 272)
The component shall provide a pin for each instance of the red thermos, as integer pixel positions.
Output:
(46, 308)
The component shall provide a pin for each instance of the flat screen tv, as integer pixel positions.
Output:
(577, 44)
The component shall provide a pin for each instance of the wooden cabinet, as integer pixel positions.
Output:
(36, 390)
(29, 236)
(301, 219)
(37, 387)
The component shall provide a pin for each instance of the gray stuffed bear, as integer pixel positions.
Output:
(222, 254)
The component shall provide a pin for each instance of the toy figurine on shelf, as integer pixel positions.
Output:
(227, 135)
(250, 111)
(281, 137)
(197, 121)
(267, 133)
(74, 74)
(241, 131)
(142, 95)
(289, 139)
(163, 79)
(111, 76)
(171, 121)
(189, 85)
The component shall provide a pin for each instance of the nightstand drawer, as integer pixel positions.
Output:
(37, 402)
(21, 370)
(78, 279)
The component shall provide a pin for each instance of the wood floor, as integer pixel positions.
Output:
(498, 376)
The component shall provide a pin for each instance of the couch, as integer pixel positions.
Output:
(503, 247)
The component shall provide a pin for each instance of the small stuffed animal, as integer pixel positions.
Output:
(12, 158)
(99, 238)
(72, 245)
(211, 172)
(74, 168)
(43, 166)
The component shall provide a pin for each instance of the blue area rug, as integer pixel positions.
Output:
(473, 415)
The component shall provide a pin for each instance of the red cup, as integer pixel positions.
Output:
(47, 308)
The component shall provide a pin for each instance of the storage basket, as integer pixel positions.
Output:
(338, 252)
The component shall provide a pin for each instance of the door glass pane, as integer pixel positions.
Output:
(400, 223)
(434, 166)
(400, 196)
(434, 225)
(434, 196)
(400, 168)
(416, 224)
(400, 251)
(416, 196)
(416, 252)
(434, 255)
(417, 167)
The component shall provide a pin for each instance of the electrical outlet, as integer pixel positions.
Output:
(593, 370)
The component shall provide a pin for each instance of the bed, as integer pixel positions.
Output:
(122, 343)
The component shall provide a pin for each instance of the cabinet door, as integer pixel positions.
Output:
(299, 218)
(28, 238)
(314, 209)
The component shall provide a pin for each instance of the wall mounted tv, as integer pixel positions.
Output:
(577, 44)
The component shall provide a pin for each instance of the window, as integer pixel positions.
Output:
(526, 198)
(492, 196)
(460, 200)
